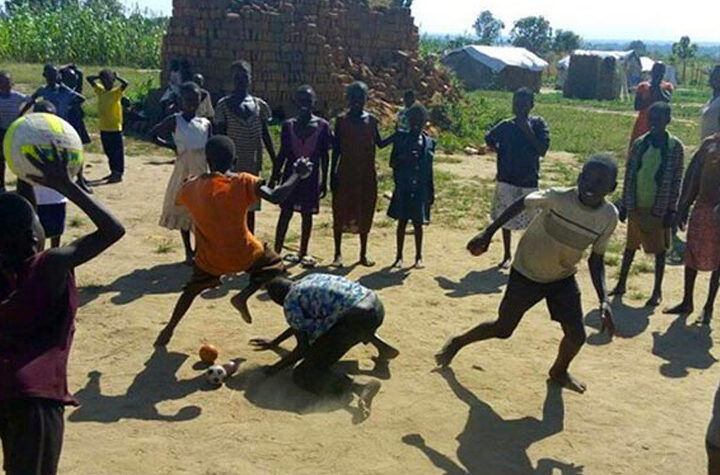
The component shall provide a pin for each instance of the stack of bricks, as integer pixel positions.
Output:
(325, 43)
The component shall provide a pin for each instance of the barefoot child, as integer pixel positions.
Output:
(110, 120)
(10, 103)
(38, 302)
(701, 187)
(328, 315)
(353, 178)
(190, 134)
(218, 203)
(650, 193)
(414, 193)
(570, 222)
(245, 118)
(519, 143)
(304, 136)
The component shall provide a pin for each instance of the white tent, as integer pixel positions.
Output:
(629, 60)
(496, 67)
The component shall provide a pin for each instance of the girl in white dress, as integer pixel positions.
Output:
(189, 136)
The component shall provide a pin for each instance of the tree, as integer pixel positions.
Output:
(533, 33)
(488, 28)
(639, 47)
(566, 41)
(684, 50)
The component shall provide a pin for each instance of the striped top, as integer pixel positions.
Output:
(10, 108)
(555, 242)
(245, 133)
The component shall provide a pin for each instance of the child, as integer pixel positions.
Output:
(72, 77)
(647, 94)
(245, 118)
(710, 119)
(218, 203)
(353, 178)
(414, 193)
(702, 187)
(304, 136)
(38, 302)
(190, 135)
(650, 193)
(519, 143)
(402, 125)
(205, 109)
(110, 120)
(570, 221)
(328, 315)
(10, 103)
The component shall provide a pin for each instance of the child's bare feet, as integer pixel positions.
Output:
(419, 263)
(366, 398)
(506, 263)
(705, 317)
(564, 379)
(337, 262)
(447, 353)
(683, 308)
(240, 303)
(654, 300)
(163, 338)
(398, 264)
(366, 262)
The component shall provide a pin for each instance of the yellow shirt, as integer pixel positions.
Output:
(110, 112)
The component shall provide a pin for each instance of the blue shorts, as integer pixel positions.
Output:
(52, 218)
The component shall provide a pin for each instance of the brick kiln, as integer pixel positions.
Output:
(324, 43)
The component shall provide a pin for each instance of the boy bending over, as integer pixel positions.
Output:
(218, 203)
(570, 221)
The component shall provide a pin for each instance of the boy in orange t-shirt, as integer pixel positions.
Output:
(218, 203)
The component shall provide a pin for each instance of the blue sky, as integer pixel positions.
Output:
(608, 19)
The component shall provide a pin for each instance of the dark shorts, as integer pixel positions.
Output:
(52, 218)
(265, 269)
(32, 434)
(562, 298)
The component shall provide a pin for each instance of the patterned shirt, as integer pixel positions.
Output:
(246, 133)
(315, 303)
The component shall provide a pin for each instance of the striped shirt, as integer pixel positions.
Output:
(245, 133)
(554, 243)
(10, 108)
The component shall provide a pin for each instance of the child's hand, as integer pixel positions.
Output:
(53, 168)
(303, 167)
(479, 244)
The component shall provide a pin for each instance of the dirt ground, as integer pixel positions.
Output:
(150, 411)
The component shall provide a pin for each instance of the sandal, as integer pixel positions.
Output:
(308, 262)
(292, 259)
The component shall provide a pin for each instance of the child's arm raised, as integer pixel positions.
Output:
(92, 79)
(302, 169)
(54, 174)
(123, 83)
(539, 139)
(480, 243)
(162, 130)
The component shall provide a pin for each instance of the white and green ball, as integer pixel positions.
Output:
(40, 130)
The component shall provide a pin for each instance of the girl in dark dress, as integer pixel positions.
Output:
(414, 193)
(308, 136)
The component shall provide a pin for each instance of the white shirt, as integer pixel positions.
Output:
(710, 122)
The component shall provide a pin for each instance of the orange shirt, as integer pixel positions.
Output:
(218, 205)
(642, 123)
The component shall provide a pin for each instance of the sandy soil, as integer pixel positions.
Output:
(145, 411)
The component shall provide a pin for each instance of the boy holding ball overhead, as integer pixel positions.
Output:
(38, 302)
(570, 221)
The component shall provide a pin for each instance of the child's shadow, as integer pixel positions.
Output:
(490, 444)
(489, 281)
(683, 347)
(629, 322)
(384, 278)
(154, 384)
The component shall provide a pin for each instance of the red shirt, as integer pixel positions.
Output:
(36, 333)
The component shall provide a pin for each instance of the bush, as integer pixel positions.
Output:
(90, 33)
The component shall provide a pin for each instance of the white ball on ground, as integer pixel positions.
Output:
(215, 374)
(40, 130)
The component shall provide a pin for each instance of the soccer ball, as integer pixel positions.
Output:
(215, 374)
(40, 130)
